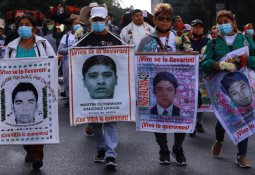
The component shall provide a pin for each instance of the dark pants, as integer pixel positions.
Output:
(34, 152)
(242, 146)
(161, 139)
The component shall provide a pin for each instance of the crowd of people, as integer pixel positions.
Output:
(93, 27)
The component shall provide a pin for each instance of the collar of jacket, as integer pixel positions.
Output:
(16, 42)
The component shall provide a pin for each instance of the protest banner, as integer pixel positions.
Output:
(28, 101)
(167, 92)
(232, 97)
(102, 85)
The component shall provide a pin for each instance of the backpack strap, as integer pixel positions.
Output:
(67, 36)
(10, 52)
(44, 46)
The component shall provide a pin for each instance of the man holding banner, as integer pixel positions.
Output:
(100, 78)
(230, 93)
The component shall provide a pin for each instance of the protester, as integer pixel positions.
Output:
(227, 40)
(58, 32)
(177, 25)
(28, 44)
(249, 31)
(198, 41)
(111, 27)
(105, 134)
(163, 40)
(214, 32)
(136, 30)
(48, 33)
(67, 41)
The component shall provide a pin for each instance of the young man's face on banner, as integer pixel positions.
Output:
(24, 107)
(100, 81)
(240, 93)
(165, 93)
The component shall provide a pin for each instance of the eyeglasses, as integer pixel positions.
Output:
(161, 18)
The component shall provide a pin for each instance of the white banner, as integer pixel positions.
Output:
(102, 85)
(28, 101)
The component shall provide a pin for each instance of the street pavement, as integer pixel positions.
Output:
(137, 153)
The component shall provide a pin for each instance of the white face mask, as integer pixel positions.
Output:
(109, 21)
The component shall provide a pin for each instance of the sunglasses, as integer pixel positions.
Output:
(161, 18)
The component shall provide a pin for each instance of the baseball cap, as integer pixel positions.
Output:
(197, 21)
(98, 12)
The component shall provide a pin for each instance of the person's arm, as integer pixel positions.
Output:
(251, 58)
(122, 35)
(141, 45)
(49, 50)
(208, 64)
(7, 51)
(63, 48)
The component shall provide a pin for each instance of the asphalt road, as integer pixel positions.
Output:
(137, 154)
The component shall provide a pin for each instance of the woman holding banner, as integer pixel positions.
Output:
(164, 40)
(29, 45)
(227, 40)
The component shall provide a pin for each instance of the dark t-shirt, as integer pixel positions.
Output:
(99, 40)
(197, 45)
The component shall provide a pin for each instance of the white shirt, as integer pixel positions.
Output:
(170, 41)
(71, 39)
(132, 34)
(161, 110)
(230, 39)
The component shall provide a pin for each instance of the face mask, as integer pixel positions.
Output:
(50, 27)
(250, 32)
(98, 26)
(225, 29)
(109, 22)
(25, 32)
(76, 27)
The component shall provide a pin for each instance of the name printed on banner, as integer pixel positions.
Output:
(143, 83)
(101, 106)
(75, 52)
(165, 126)
(164, 59)
(96, 119)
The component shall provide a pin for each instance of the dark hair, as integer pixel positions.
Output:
(226, 13)
(29, 17)
(136, 11)
(167, 76)
(175, 17)
(98, 60)
(231, 78)
(22, 87)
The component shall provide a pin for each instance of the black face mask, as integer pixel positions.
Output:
(162, 31)
(197, 36)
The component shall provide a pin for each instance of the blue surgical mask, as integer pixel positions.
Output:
(98, 26)
(225, 29)
(76, 27)
(250, 32)
(25, 32)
